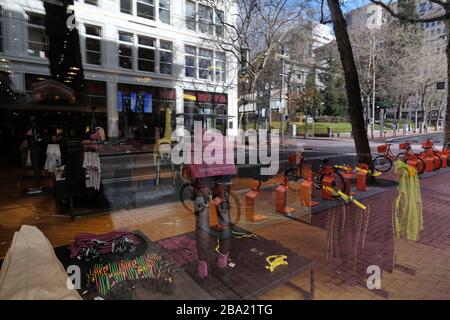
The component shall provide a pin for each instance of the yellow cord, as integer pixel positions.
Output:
(275, 261)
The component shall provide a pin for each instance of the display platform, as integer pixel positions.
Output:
(247, 274)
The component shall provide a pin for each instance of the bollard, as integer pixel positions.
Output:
(327, 182)
(361, 177)
(444, 157)
(348, 182)
(306, 194)
(280, 200)
(250, 201)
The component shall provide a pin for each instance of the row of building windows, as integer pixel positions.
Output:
(199, 17)
(136, 52)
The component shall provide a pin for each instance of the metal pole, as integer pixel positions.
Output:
(282, 94)
(373, 93)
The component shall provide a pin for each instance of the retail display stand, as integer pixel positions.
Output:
(281, 199)
(250, 202)
(306, 191)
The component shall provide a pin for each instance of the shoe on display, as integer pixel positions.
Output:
(202, 269)
(34, 190)
(222, 260)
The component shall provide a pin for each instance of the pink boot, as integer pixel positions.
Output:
(202, 269)
(222, 261)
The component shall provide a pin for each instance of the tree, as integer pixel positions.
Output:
(259, 27)
(334, 99)
(352, 87)
(441, 15)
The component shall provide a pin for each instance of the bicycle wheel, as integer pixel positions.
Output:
(437, 161)
(187, 196)
(420, 166)
(294, 179)
(401, 156)
(234, 206)
(338, 182)
(382, 163)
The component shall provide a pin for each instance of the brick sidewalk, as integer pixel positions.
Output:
(420, 270)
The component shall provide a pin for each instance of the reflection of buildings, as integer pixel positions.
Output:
(157, 51)
(434, 37)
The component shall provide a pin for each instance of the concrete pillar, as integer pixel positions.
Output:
(112, 109)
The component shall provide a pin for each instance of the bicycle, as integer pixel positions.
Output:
(384, 162)
(410, 155)
(198, 188)
(431, 151)
(295, 176)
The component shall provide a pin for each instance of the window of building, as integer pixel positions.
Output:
(37, 39)
(430, 5)
(205, 63)
(191, 16)
(165, 57)
(126, 6)
(93, 44)
(220, 67)
(427, 24)
(92, 2)
(125, 50)
(164, 11)
(432, 32)
(205, 19)
(190, 57)
(200, 17)
(219, 20)
(146, 54)
(432, 24)
(438, 30)
(145, 9)
(148, 9)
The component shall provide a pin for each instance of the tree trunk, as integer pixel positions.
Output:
(399, 108)
(351, 83)
(447, 114)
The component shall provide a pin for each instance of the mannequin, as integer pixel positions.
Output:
(34, 143)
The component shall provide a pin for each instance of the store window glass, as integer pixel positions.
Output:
(164, 11)
(205, 64)
(145, 9)
(190, 65)
(126, 6)
(205, 19)
(146, 54)
(92, 2)
(191, 16)
(37, 38)
(165, 57)
(93, 44)
(125, 50)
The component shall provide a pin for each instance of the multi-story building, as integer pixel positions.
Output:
(143, 56)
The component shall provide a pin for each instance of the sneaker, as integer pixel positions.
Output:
(202, 269)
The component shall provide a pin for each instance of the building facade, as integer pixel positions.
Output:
(138, 58)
